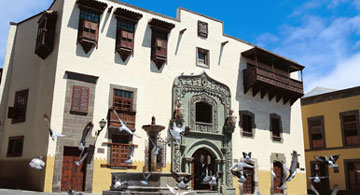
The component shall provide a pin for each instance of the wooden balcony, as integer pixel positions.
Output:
(127, 117)
(273, 84)
(119, 153)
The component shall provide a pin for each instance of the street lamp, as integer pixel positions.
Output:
(102, 123)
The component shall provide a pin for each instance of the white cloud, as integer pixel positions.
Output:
(325, 46)
(345, 75)
(16, 11)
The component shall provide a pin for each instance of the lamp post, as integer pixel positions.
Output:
(102, 123)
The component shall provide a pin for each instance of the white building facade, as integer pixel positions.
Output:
(98, 56)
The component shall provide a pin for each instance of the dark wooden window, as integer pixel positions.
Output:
(249, 184)
(18, 112)
(80, 99)
(15, 146)
(350, 127)
(123, 100)
(202, 57)
(88, 29)
(159, 48)
(316, 132)
(247, 123)
(203, 112)
(125, 39)
(46, 34)
(275, 127)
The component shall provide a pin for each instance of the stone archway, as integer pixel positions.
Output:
(203, 161)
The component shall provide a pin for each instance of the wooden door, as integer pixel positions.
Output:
(320, 169)
(73, 176)
(277, 167)
(353, 169)
(248, 186)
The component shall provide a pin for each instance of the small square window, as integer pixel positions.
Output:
(15, 146)
(202, 57)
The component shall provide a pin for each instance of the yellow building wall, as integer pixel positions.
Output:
(333, 134)
(49, 173)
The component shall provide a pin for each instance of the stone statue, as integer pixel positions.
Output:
(179, 111)
(230, 119)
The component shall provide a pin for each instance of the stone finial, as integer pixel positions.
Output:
(153, 120)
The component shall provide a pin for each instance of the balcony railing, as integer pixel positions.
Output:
(256, 73)
(203, 127)
(119, 153)
(127, 117)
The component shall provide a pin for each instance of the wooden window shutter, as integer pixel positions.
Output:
(94, 31)
(84, 101)
(86, 29)
(80, 99)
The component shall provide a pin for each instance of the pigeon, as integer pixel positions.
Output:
(118, 185)
(314, 189)
(288, 174)
(293, 166)
(247, 156)
(214, 179)
(81, 159)
(241, 177)
(146, 178)
(177, 192)
(157, 148)
(177, 131)
(72, 192)
(130, 160)
(37, 163)
(123, 126)
(53, 135)
(181, 180)
(317, 179)
(85, 134)
(335, 190)
(330, 161)
(240, 166)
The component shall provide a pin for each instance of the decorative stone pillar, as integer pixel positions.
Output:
(188, 164)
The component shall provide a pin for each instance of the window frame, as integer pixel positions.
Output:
(206, 52)
(131, 100)
(347, 113)
(94, 18)
(244, 133)
(74, 110)
(273, 137)
(15, 138)
(322, 124)
(20, 117)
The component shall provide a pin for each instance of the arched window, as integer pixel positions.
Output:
(203, 112)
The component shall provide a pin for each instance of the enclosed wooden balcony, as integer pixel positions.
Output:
(270, 74)
(128, 117)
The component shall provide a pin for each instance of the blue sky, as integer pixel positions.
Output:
(323, 35)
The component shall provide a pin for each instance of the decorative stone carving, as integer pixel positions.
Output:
(179, 111)
(190, 90)
(202, 29)
(230, 122)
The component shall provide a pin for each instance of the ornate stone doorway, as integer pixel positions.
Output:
(206, 104)
(203, 161)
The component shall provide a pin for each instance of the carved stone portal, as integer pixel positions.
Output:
(209, 136)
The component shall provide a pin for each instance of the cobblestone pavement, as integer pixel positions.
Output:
(23, 192)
